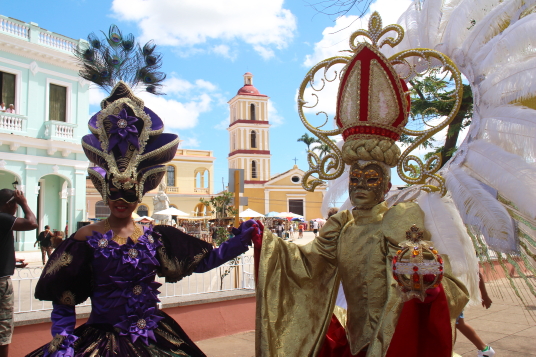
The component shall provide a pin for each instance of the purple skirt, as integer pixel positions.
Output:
(104, 340)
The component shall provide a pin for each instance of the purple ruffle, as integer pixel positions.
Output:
(140, 325)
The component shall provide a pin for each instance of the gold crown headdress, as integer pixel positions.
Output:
(373, 106)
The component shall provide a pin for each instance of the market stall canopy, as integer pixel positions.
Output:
(272, 214)
(320, 220)
(143, 218)
(250, 213)
(290, 215)
(172, 211)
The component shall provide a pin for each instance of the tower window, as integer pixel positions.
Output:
(253, 169)
(171, 176)
(252, 110)
(253, 139)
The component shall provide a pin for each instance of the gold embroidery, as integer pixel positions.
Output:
(55, 343)
(54, 266)
(383, 105)
(173, 269)
(173, 339)
(68, 298)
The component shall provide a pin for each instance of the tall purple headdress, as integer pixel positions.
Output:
(127, 143)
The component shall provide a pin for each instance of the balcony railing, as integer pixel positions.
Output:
(35, 34)
(172, 189)
(13, 123)
(201, 190)
(58, 130)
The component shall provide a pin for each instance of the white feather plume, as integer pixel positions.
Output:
(509, 174)
(336, 189)
(430, 19)
(514, 45)
(477, 207)
(490, 26)
(510, 83)
(511, 127)
(461, 21)
(450, 237)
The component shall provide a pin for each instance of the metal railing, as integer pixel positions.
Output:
(234, 275)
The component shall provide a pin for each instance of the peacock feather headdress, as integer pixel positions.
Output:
(127, 143)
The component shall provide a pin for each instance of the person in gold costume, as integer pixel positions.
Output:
(297, 286)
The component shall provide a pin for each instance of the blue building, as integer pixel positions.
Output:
(40, 149)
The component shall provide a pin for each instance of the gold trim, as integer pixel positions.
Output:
(331, 165)
(144, 178)
(55, 265)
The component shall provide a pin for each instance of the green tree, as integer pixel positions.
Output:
(431, 99)
(220, 204)
(308, 140)
(323, 148)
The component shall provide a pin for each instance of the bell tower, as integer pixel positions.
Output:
(249, 129)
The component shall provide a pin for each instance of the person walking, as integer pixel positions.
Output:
(315, 228)
(300, 231)
(45, 243)
(291, 231)
(484, 350)
(9, 200)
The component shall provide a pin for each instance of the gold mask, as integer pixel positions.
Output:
(367, 185)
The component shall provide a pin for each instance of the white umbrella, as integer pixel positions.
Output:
(250, 213)
(172, 211)
(142, 218)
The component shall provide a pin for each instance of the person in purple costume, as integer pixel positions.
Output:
(114, 262)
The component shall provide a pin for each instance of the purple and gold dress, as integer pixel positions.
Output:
(120, 280)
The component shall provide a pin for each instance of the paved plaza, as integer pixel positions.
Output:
(507, 326)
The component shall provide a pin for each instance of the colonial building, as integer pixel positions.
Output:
(249, 138)
(189, 177)
(40, 143)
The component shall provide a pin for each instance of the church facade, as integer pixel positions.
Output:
(249, 140)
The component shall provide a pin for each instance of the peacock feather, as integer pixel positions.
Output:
(118, 57)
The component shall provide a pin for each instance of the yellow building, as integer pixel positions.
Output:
(189, 177)
(249, 139)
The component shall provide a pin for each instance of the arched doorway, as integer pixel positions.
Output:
(101, 210)
(143, 210)
(199, 210)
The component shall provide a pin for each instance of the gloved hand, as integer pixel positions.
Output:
(62, 345)
(246, 230)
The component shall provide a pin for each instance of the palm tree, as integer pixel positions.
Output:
(308, 140)
(323, 148)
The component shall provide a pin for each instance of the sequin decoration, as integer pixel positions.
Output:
(122, 123)
(133, 253)
(103, 243)
(137, 290)
(141, 324)
(150, 238)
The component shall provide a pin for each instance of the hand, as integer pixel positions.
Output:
(486, 301)
(19, 197)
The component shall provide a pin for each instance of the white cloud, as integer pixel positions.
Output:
(189, 143)
(273, 116)
(265, 25)
(181, 107)
(336, 38)
(224, 51)
(224, 124)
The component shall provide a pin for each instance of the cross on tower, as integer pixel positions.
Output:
(295, 160)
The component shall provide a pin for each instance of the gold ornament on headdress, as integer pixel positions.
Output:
(373, 106)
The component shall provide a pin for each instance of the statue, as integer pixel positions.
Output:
(161, 202)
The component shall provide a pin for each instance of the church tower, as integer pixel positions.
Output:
(249, 133)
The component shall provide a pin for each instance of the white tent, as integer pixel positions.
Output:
(172, 211)
(250, 213)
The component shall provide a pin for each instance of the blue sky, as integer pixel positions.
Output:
(207, 47)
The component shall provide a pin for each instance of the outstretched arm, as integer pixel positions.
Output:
(230, 249)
